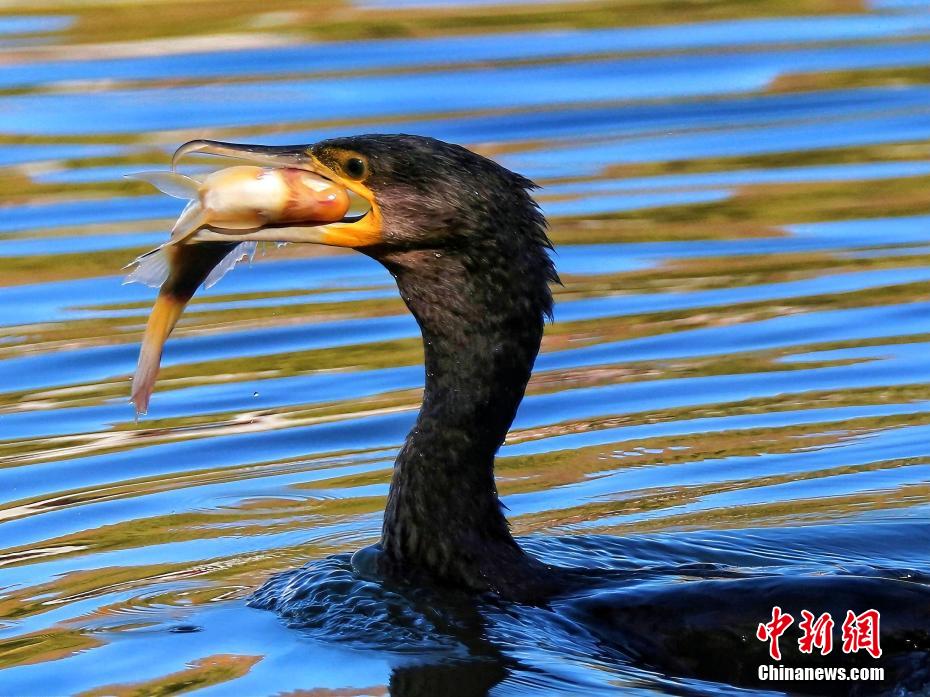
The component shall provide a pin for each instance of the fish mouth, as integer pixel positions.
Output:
(357, 229)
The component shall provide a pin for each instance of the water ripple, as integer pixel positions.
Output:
(735, 383)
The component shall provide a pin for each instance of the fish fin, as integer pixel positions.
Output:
(164, 316)
(171, 183)
(151, 270)
(228, 263)
(190, 221)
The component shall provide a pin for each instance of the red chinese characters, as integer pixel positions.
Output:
(817, 633)
(861, 632)
(771, 631)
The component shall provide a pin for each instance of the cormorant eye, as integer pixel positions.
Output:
(355, 167)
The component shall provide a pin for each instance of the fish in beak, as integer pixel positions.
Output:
(248, 197)
(355, 230)
(285, 195)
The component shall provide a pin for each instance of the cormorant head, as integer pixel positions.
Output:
(460, 233)
(415, 193)
(430, 193)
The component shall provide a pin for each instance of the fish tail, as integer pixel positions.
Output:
(190, 221)
(165, 314)
(171, 183)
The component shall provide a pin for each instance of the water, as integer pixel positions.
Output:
(736, 375)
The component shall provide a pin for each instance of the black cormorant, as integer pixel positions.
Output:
(468, 247)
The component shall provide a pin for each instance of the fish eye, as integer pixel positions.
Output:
(355, 167)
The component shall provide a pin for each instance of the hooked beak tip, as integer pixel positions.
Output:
(273, 155)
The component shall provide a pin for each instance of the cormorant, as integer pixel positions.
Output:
(468, 247)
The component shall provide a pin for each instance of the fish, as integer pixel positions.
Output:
(233, 200)
(246, 197)
(177, 271)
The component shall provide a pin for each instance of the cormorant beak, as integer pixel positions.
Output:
(363, 229)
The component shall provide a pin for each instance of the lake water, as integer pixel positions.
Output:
(737, 373)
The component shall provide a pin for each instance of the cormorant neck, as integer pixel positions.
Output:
(481, 313)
